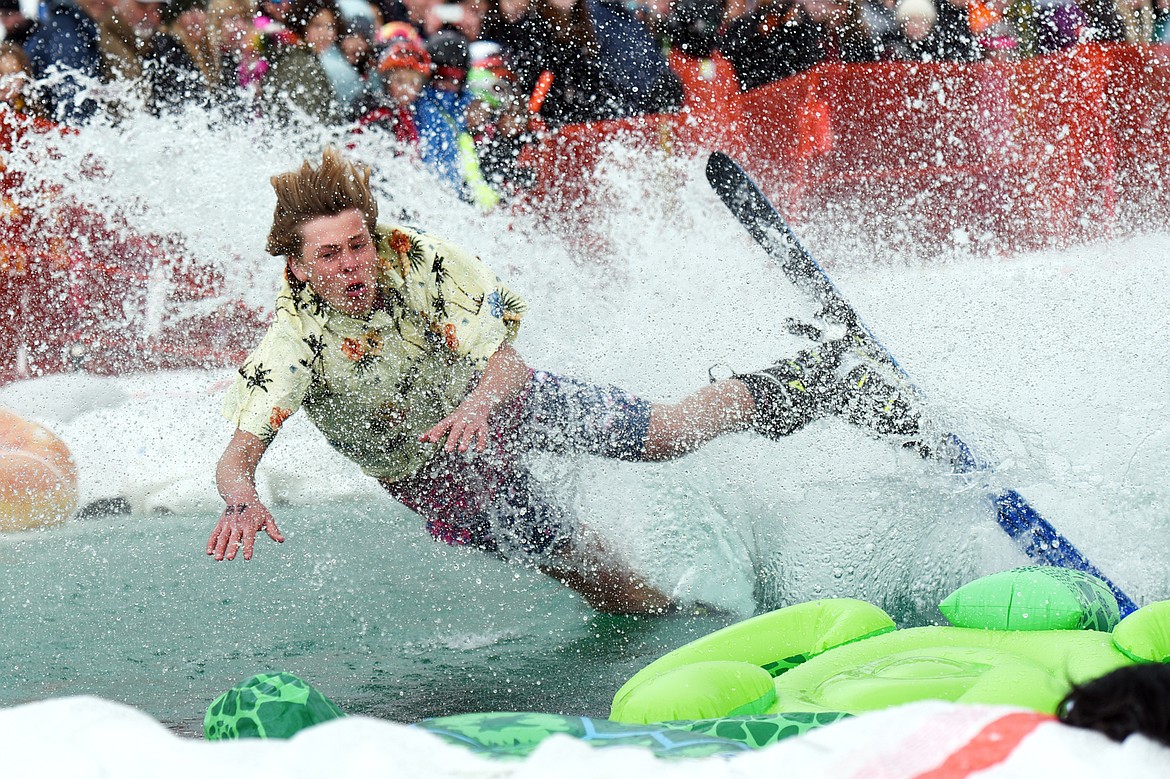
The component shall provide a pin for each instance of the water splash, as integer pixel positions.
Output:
(1050, 364)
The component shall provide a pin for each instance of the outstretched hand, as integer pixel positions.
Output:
(466, 427)
(238, 526)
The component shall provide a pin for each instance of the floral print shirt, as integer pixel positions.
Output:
(372, 385)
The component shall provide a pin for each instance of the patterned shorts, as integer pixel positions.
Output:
(490, 501)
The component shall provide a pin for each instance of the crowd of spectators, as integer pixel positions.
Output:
(464, 83)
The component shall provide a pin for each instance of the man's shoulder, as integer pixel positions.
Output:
(297, 311)
(391, 236)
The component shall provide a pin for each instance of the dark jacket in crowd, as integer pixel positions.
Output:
(956, 41)
(166, 76)
(298, 82)
(776, 41)
(632, 62)
(896, 48)
(174, 78)
(581, 91)
(68, 38)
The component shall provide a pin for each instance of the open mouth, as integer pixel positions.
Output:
(355, 290)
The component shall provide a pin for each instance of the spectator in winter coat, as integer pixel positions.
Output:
(16, 87)
(67, 40)
(498, 121)
(1137, 20)
(321, 35)
(187, 24)
(405, 68)
(632, 61)
(999, 43)
(503, 23)
(135, 50)
(16, 26)
(1047, 26)
(784, 37)
(957, 42)
(441, 113)
(560, 37)
(693, 26)
(296, 82)
(357, 43)
(234, 46)
(125, 37)
(916, 37)
(1161, 21)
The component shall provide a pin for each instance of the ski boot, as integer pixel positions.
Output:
(834, 377)
(867, 399)
(797, 390)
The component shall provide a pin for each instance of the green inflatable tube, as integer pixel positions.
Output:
(844, 655)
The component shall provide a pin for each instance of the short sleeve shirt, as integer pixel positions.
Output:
(372, 385)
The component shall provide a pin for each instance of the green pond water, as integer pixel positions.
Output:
(358, 601)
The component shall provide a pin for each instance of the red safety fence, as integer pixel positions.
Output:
(81, 290)
(915, 157)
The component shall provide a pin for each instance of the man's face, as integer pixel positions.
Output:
(513, 10)
(13, 79)
(823, 11)
(447, 81)
(917, 28)
(338, 260)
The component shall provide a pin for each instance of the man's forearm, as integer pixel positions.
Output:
(235, 475)
(503, 378)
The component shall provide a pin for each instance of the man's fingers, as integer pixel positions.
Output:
(466, 437)
(233, 541)
(213, 541)
(462, 434)
(436, 433)
(273, 531)
(454, 435)
(249, 542)
(222, 534)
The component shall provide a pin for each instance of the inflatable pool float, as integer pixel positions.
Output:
(1021, 638)
(280, 705)
(38, 478)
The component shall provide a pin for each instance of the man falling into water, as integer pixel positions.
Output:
(398, 345)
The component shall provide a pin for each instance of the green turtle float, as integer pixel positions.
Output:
(1022, 637)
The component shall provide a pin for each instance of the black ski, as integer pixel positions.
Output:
(1040, 541)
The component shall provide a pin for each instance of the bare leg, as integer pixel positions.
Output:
(679, 428)
(606, 583)
(614, 590)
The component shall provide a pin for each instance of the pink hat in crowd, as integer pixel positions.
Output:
(393, 31)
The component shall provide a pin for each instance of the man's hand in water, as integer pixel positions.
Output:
(238, 526)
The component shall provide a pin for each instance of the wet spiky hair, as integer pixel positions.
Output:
(334, 186)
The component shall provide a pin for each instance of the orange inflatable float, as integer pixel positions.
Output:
(38, 478)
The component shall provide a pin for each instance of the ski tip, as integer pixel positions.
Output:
(718, 164)
(726, 177)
